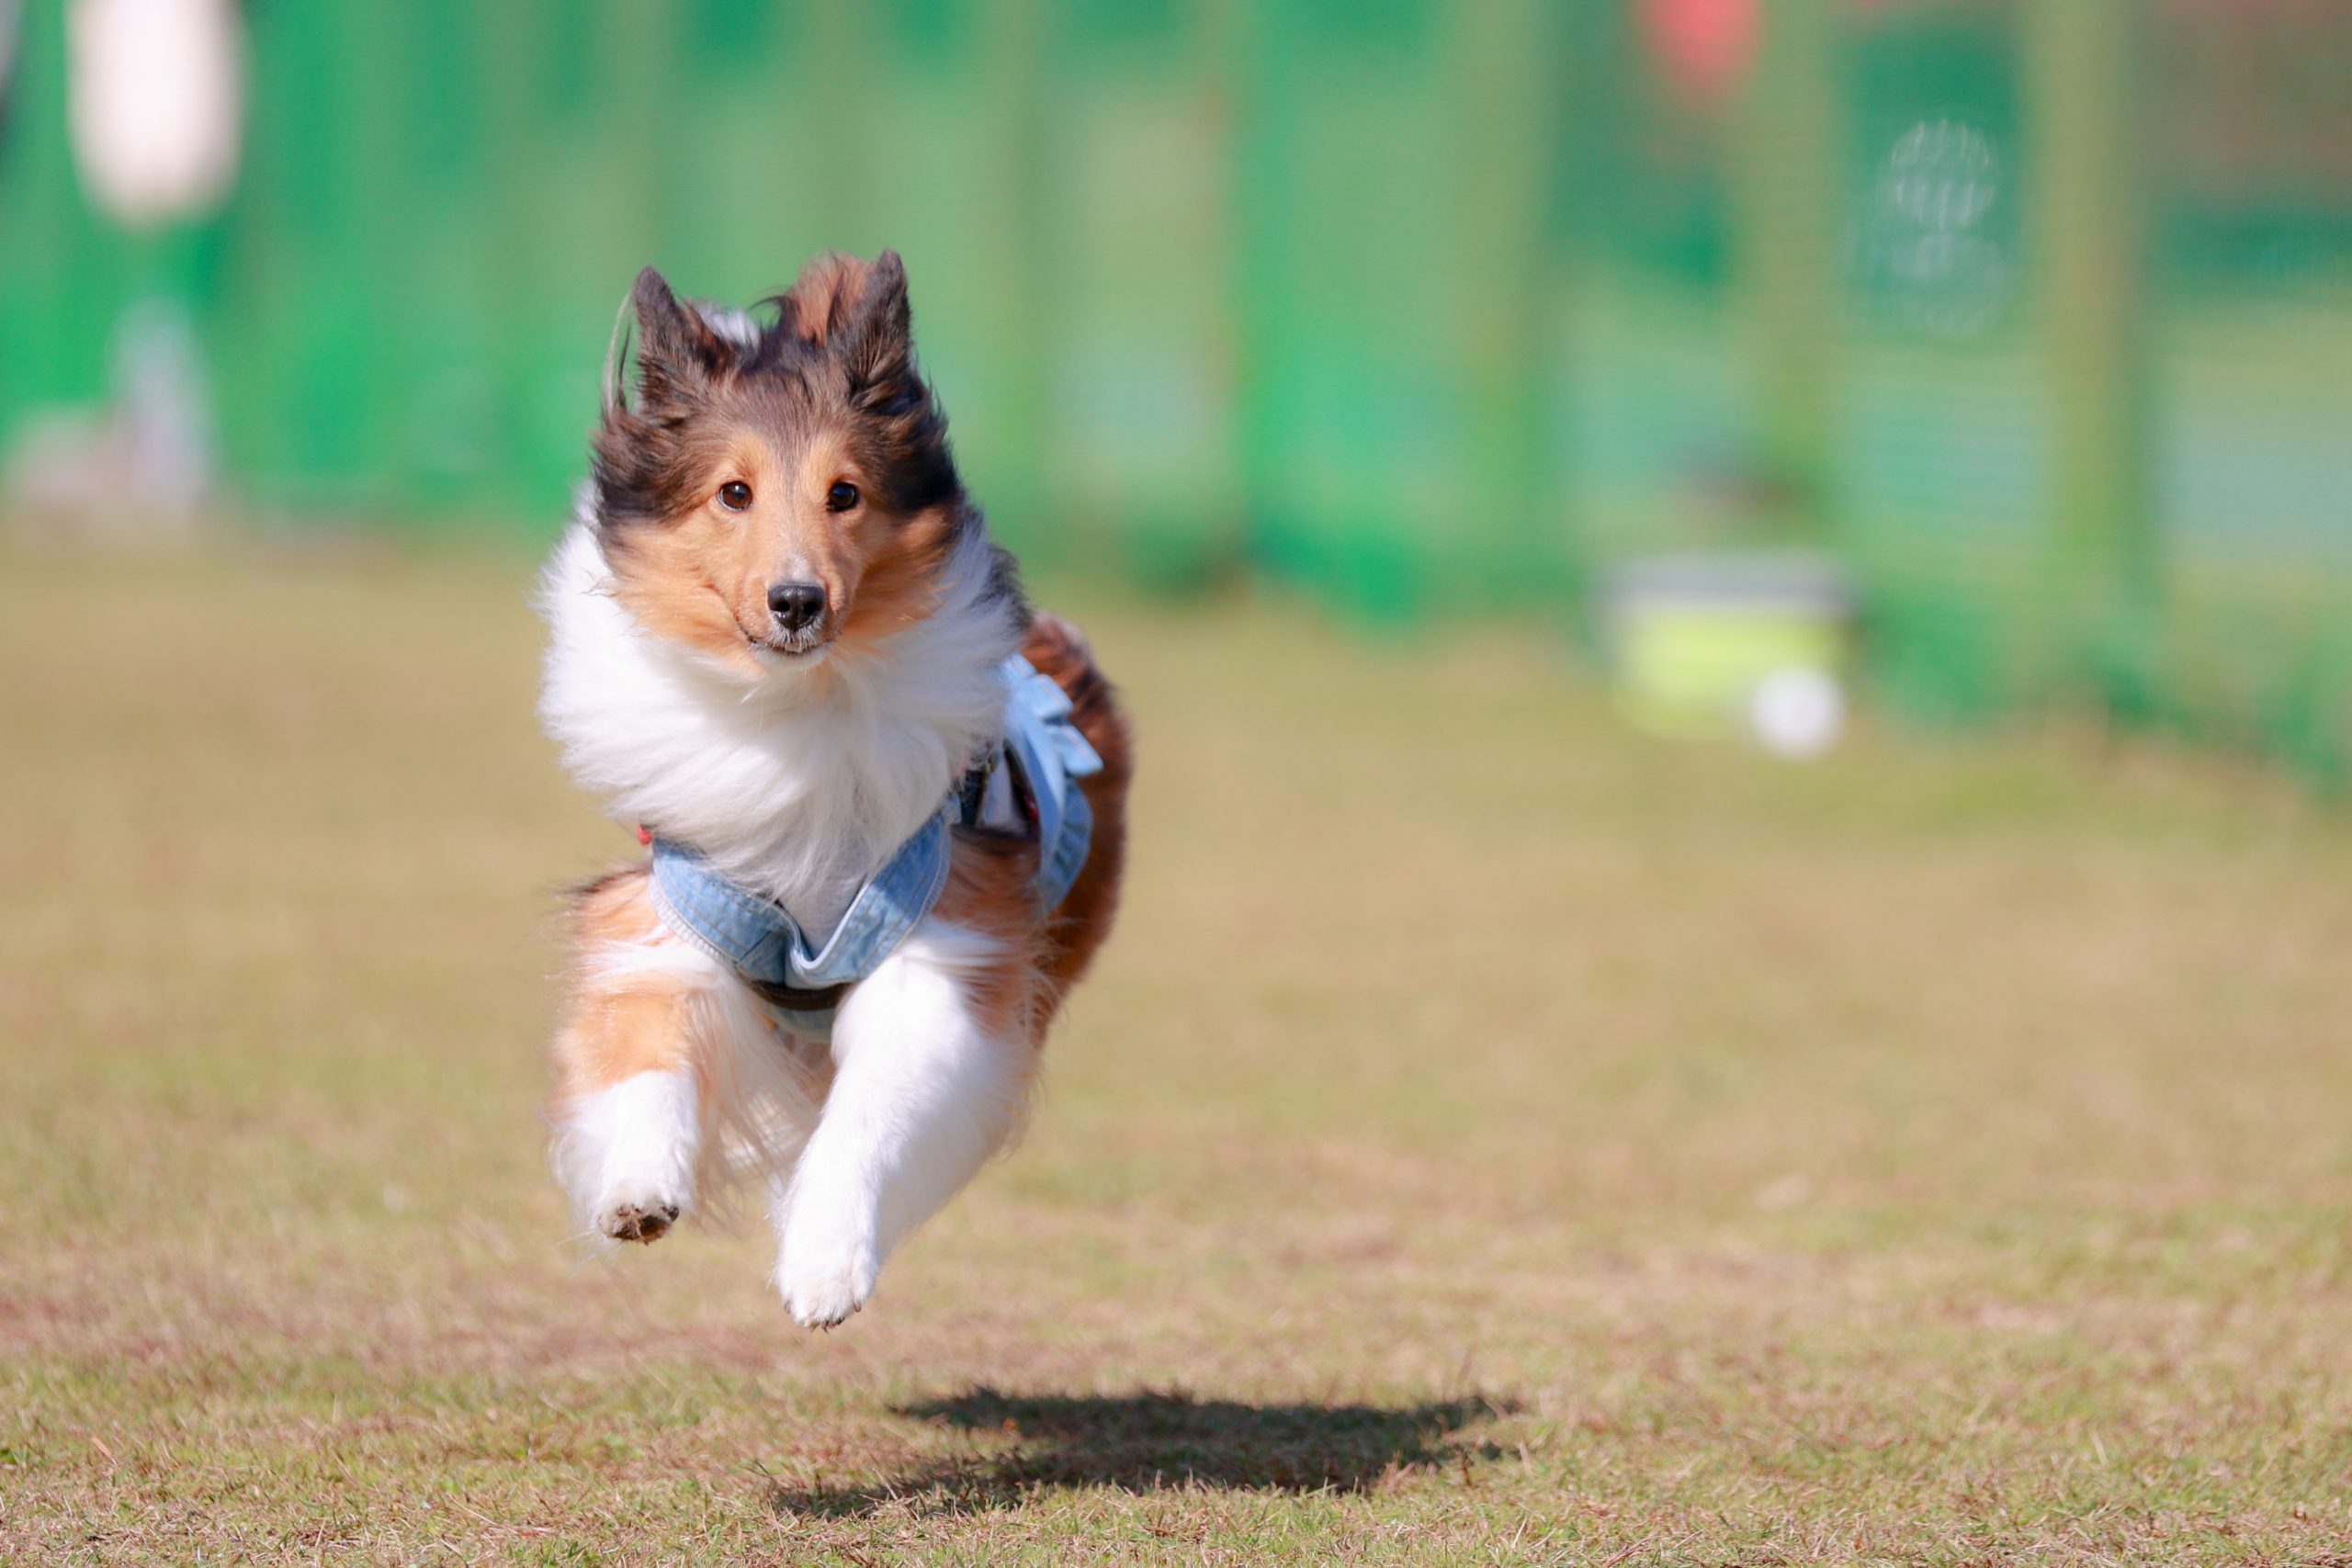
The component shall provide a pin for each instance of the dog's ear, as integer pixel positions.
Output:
(676, 350)
(877, 340)
(857, 312)
(820, 301)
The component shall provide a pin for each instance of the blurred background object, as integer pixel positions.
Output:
(1709, 644)
(153, 95)
(153, 92)
(2035, 318)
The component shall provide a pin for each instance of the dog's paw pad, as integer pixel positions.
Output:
(632, 1222)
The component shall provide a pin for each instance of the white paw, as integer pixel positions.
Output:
(643, 1203)
(626, 1154)
(647, 1218)
(827, 1269)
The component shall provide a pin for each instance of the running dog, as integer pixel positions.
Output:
(883, 800)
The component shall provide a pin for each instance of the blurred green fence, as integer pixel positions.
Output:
(2037, 314)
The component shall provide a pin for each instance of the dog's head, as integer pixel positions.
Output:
(776, 487)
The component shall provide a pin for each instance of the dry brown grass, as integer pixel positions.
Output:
(1490, 1138)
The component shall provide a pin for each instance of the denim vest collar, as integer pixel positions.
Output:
(758, 938)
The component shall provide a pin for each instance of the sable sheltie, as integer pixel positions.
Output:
(778, 626)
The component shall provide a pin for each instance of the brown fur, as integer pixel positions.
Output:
(1058, 650)
(613, 1029)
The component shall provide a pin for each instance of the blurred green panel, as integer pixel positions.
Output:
(538, 412)
(2087, 64)
(1789, 176)
(2037, 315)
(1361, 391)
(62, 274)
(1505, 521)
(996, 247)
(1139, 443)
(1940, 447)
(323, 119)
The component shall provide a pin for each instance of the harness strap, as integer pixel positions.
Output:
(800, 999)
(758, 938)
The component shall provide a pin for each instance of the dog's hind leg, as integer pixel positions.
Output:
(928, 1080)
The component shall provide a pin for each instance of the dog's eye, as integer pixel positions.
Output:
(841, 497)
(734, 495)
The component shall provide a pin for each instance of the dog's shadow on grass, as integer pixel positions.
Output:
(1151, 1441)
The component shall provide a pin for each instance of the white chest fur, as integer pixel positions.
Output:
(795, 783)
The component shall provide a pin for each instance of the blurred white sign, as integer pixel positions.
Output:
(155, 89)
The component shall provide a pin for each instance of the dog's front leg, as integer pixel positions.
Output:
(628, 1117)
(928, 1079)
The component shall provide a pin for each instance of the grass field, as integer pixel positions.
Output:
(1490, 1138)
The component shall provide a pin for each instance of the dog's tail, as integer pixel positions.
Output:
(1059, 650)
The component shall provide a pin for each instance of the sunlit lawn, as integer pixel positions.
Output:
(1490, 1137)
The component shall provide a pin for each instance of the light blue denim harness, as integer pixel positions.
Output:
(759, 938)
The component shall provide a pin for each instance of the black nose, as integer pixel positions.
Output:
(798, 605)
